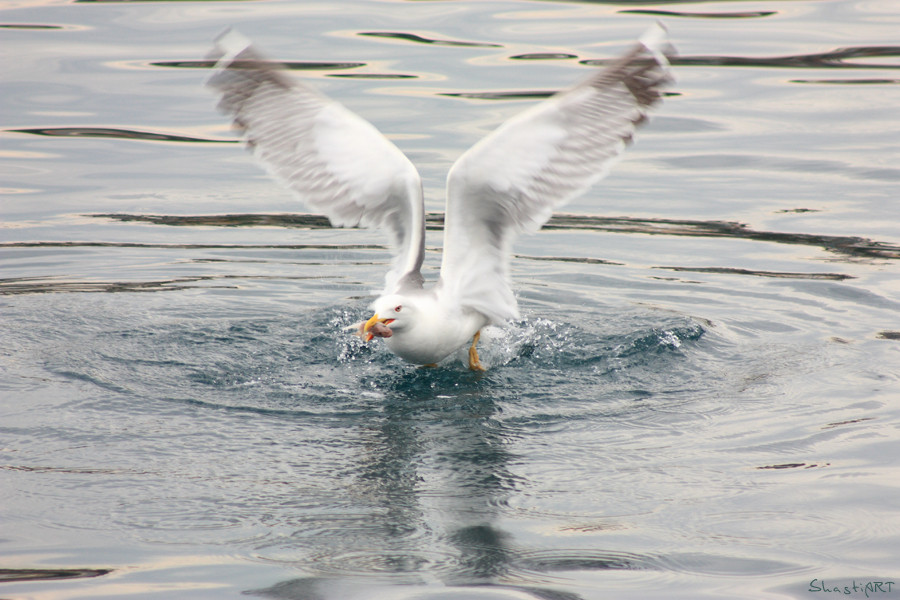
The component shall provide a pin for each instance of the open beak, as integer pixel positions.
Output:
(367, 335)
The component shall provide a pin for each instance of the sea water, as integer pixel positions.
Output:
(700, 399)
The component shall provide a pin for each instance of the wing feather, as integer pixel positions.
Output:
(512, 180)
(332, 159)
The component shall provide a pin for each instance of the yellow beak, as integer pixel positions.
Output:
(371, 323)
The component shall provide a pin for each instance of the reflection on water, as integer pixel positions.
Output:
(846, 245)
(291, 65)
(850, 247)
(410, 487)
(748, 14)
(28, 26)
(869, 81)
(111, 132)
(411, 37)
(794, 465)
(517, 95)
(833, 59)
(372, 76)
(543, 56)
(11, 575)
(684, 372)
(758, 273)
(330, 589)
(24, 285)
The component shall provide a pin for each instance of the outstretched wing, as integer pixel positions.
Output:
(333, 160)
(511, 181)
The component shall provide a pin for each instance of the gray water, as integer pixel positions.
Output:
(700, 401)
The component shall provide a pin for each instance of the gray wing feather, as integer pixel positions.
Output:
(333, 160)
(511, 181)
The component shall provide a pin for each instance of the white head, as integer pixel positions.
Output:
(393, 313)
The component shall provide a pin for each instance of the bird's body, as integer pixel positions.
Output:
(506, 184)
(428, 327)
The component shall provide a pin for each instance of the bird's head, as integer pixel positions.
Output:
(392, 313)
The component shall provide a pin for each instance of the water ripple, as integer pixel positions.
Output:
(651, 430)
(722, 565)
(868, 81)
(758, 273)
(289, 64)
(549, 561)
(839, 58)
(359, 588)
(31, 26)
(747, 14)
(418, 39)
(543, 56)
(11, 575)
(434, 221)
(116, 133)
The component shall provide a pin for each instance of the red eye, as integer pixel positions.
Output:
(398, 307)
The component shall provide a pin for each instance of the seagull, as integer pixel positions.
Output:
(508, 183)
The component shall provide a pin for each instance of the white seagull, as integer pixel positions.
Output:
(506, 184)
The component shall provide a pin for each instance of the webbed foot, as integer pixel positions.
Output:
(474, 362)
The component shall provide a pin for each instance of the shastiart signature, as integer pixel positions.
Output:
(867, 588)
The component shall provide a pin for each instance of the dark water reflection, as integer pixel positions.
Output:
(834, 59)
(438, 473)
(291, 65)
(849, 247)
(869, 81)
(749, 14)
(418, 39)
(543, 56)
(11, 575)
(122, 134)
(325, 589)
(698, 402)
(451, 454)
(28, 26)
(845, 245)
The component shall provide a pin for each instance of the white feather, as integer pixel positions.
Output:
(513, 179)
(508, 183)
(333, 160)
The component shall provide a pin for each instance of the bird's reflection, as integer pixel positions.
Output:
(437, 467)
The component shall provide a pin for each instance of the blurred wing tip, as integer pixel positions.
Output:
(656, 41)
(229, 44)
(655, 38)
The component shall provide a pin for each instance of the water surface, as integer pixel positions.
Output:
(700, 400)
